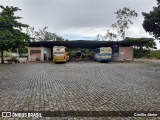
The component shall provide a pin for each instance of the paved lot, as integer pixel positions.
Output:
(82, 86)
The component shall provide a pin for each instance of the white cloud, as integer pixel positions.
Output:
(85, 18)
(86, 32)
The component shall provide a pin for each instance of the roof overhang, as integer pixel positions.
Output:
(85, 44)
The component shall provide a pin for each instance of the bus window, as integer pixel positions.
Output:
(97, 50)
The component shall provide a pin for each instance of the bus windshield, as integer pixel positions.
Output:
(58, 52)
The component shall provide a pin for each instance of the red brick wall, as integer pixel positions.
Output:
(126, 53)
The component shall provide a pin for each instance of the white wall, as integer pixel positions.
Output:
(46, 51)
(42, 54)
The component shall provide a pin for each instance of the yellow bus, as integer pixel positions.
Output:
(60, 54)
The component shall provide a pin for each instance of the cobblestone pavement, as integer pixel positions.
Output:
(80, 86)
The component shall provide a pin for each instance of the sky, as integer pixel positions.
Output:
(80, 19)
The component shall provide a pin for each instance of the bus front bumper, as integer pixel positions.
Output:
(103, 59)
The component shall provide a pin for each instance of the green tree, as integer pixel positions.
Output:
(124, 19)
(72, 54)
(99, 37)
(149, 42)
(22, 50)
(43, 35)
(151, 22)
(11, 35)
(110, 36)
(59, 38)
(142, 50)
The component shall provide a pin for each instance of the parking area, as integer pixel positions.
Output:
(80, 86)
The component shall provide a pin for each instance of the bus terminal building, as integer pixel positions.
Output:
(42, 50)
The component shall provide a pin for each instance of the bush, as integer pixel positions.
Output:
(142, 53)
(13, 59)
(72, 54)
(154, 54)
(7, 55)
